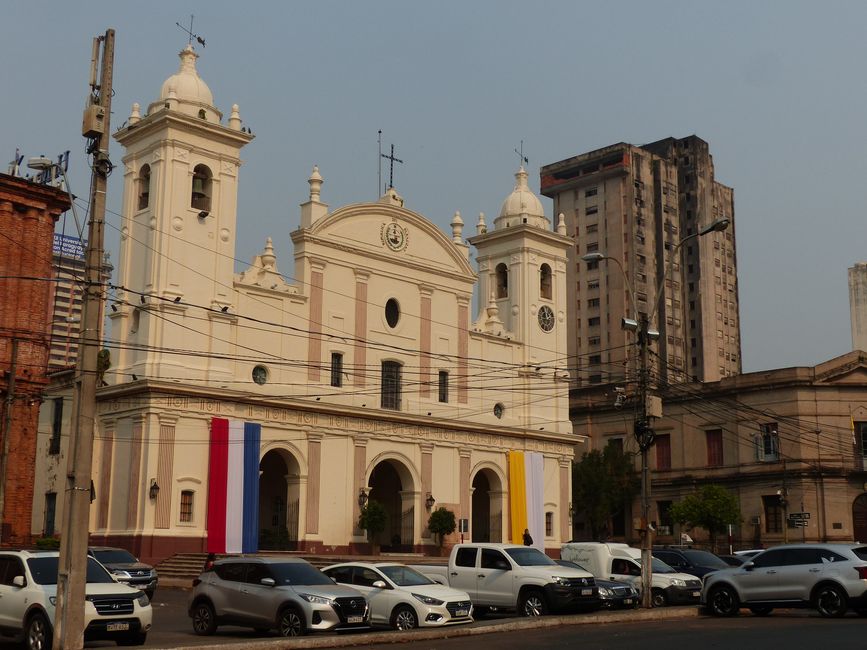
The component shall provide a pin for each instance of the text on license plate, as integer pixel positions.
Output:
(116, 627)
(586, 592)
(627, 601)
(462, 612)
(696, 593)
(354, 619)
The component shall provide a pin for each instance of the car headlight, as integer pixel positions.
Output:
(143, 599)
(427, 600)
(318, 600)
(604, 592)
(120, 573)
(676, 582)
(560, 580)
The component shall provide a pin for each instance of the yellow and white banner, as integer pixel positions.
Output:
(526, 497)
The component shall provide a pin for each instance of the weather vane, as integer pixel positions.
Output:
(524, 159)
(190, 33)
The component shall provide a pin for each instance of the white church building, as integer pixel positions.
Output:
(263, 410)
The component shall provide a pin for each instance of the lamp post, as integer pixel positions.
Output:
(643, 429)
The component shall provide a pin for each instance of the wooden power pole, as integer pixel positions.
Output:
(72, 570)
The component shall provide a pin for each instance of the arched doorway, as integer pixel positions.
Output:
(859, 518)
(487, 507)
(391, 485)
(279, 499)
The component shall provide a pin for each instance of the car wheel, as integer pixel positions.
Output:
(723, 601)
(290, 622)
(831, 601)
(761, 610)
(204, 619)
(657, 598)
(38, 634)
(404, 618)
(139, 638)
(532, 603)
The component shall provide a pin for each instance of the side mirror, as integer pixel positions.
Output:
(749, 566)
(502, 565)
(18, 581)
(268, 582)
(380, 584)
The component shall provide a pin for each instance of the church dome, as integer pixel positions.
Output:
(521, 206)
(186, 91)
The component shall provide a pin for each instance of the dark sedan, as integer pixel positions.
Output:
(612, 594)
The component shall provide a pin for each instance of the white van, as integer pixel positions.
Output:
(612, 561)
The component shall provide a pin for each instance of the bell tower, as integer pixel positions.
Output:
(177, 247)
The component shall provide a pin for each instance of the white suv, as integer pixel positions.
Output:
(831, 578)
(28, 591)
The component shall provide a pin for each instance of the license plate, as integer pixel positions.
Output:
(462, 612)
(627, 601)
(117, 627)
(354, 619)
(140, 587)
(696, 594)
(586, 592)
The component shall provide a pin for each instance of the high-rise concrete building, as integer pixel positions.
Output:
(634, 205)
(858, 305)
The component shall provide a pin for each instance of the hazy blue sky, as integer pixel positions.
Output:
(776, 88)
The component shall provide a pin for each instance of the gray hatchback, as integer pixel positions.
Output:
(267, 593)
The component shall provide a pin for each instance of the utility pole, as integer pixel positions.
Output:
(644, 436)
(72, 569)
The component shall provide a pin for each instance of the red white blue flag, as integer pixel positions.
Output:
(233, 487)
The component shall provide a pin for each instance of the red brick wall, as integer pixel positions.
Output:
(28, 212)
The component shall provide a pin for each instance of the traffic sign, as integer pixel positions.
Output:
(799, 515)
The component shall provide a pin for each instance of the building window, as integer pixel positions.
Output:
(768, 443)
(591, 210)
(773, 513)
(201, 194)
(593, 340)
(593, 302)
(663, 451)
(186, 506)
(545, 281)
(444, 386)
(337, 369)
(144, 186)
(616, 443)
(592, 191)
(549, 524)
(56, 425)
(593, 247)
(860, 431)
(50, 510)
(595, 359)
(502, 272)
(593, 284)
(714, 447)
(392, 312)
(260, 375)
(595, 379)
(666, 523)
(592, 266)
(591, 228)
(390, 388)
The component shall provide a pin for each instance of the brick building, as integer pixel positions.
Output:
(28, 212)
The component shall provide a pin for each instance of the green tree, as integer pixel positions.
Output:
(712, 508)
(373, 519)
(441, 523)
(603, 482)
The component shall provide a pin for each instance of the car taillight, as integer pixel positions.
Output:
(862, 572)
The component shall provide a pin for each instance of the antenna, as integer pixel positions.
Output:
(94, 58)
(379, 179)
(524, 159)
(190, 33)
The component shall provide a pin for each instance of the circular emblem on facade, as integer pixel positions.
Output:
(260, 375)
(546, 318)
(394, 236)
(499, 409)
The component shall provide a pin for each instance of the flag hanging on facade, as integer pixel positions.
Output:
(526, 497)
(233, 487)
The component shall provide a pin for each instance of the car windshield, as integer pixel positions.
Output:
(703, 558)
(297, 573)
(114, 556)
(403, 576)
(529, 557)
(661, 567)
(44, 571)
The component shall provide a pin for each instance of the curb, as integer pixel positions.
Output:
(390, 636)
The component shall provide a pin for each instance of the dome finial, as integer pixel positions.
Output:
(315, 182)
(457, 228)
(481, 226)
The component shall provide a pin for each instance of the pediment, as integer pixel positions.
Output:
(848, 369)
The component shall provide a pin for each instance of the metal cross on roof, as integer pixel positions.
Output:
(190, 33)
(524, 159)
(391, 160)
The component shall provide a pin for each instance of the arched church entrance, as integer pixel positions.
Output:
(859, 518)
(279, 498)
(392, 486)
(487, 507)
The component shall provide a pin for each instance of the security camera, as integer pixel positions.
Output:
(203, 214)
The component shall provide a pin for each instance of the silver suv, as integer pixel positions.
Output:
(28, 591)
(831, 578)
(266, 593)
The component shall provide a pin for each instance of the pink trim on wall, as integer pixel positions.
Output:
(314, 325)
(425, 347)
(463, 350)
(360, 349)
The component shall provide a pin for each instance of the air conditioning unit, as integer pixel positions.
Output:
(756, 521)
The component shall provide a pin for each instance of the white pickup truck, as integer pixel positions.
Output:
(509, 576)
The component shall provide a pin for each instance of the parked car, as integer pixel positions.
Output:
(28, 591)
(402, 597)
(734, 560)
(511, 576)
(751, 552)
(612, 594)
(689, 560)
(289, 595)
(125, 567)
(831, 578)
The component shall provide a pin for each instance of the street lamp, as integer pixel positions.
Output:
(643, 430)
